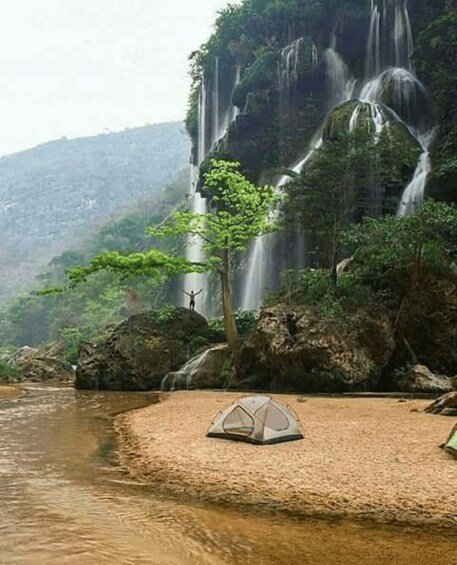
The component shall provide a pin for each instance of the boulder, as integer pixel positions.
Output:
(47, 370)
(23, 353)
(209, 369)
(41, 366)
(141, 351)
(296, 350)
(419, 379)
(445, 405)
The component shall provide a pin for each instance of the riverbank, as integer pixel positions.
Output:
(362, 458)
(9, 391)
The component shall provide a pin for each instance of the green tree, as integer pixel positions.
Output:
(394, 249)
(338, 186)
(240, 211)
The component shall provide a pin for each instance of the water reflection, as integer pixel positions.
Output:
(64, 500)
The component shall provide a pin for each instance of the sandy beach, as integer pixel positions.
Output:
(362, 458)
(9, 391)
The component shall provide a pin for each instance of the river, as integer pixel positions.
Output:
(65, 500)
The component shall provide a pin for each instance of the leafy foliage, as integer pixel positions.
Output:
(435, 60)
(424, 241)
(241, 211)
(332, 192)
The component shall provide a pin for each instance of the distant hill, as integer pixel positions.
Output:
(53, 195)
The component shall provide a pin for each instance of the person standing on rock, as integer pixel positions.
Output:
(192, 296)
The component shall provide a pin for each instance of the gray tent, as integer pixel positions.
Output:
(451, 444)
(256, 419)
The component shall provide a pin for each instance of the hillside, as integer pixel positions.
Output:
(51, 196)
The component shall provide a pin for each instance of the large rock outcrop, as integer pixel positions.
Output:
(141, 351)
(295, 349)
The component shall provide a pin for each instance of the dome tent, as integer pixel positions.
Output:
(256, 419)
(451, 443)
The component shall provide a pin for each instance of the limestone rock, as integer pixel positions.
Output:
(141, 351)
(419, 379)
(297, 350)
(445, 405)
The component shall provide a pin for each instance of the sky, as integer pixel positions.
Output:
(72, 68)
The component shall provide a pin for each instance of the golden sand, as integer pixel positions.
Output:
(362, 458)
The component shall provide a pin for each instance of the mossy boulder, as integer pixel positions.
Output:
(401, 91)
(394, 151)
(141, 351)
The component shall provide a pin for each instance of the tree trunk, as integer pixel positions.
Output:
(229, 319)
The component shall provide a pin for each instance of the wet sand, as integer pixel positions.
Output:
(9, 391)
(362, 458)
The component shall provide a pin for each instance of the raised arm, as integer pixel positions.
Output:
(201, 290)
(186, 293)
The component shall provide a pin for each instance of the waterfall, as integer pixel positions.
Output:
(216, 133)
(375, 116)
(194, 250)
(255, 285)
(390, 39)
(208, 106)
(314, 57)
(339, 80)
(414, 192)
(197, 205)
(401, 91)
(390, 92)
(259, 278)
(290, 60)
(233, 110)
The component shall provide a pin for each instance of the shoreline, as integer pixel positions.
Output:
(362, 459)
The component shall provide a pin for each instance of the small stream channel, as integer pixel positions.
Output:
(65, 500)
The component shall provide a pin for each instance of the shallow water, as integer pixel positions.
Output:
(65, 500)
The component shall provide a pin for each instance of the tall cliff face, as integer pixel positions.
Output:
(53, 196)
(302, 74)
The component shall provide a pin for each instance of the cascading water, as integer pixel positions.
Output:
(216, 132)
(339, 80)
(390, 44)
(198, 205)
(390, 40)
(414, 192)
(259, 274)
(208, 105)
(291, 57)
(390, 92)
(259, 277)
